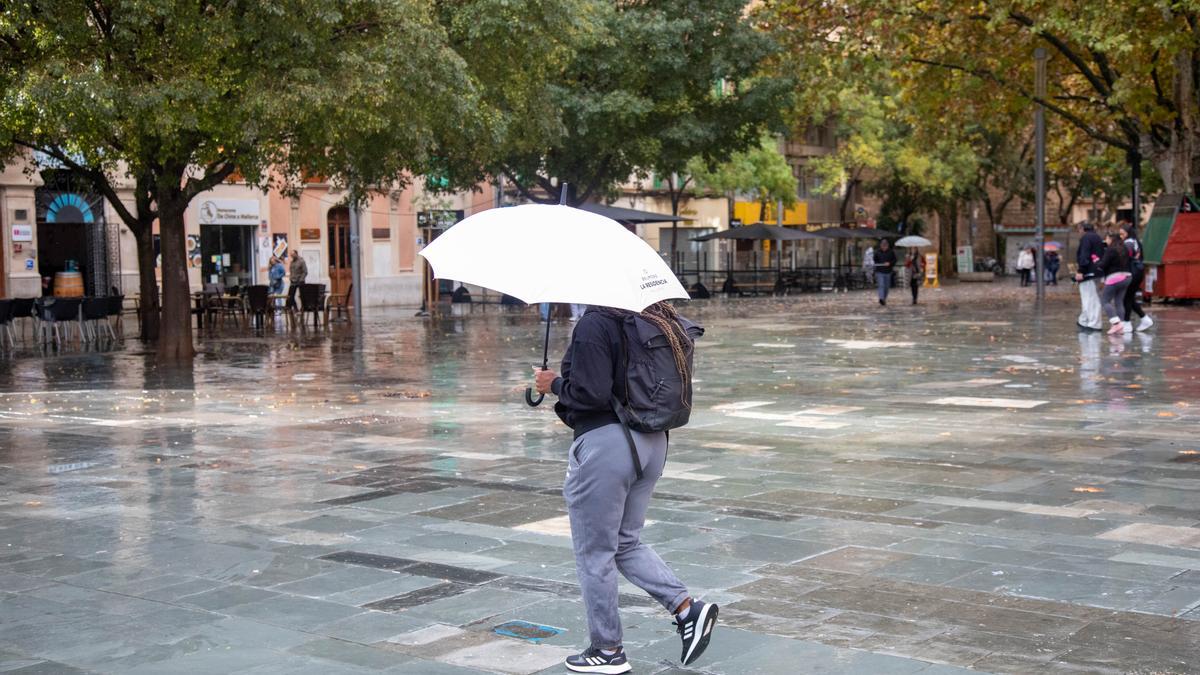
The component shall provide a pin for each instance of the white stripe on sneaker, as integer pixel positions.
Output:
(693, 639)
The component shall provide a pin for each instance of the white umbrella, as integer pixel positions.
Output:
(913, 241)
(553, 253)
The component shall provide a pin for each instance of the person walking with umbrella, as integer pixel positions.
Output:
(1053, 262)
(611, 477)
(625, 380)
(915, 264)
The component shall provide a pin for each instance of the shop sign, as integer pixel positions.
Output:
(22, 233)
(229, 212)
(310, 234)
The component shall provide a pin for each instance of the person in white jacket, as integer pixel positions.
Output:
(1025, 265)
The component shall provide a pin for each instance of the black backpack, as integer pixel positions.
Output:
(652, 396)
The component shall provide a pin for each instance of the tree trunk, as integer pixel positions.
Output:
(846, 199)
(947, 241)
(147, 283)
(175, 337)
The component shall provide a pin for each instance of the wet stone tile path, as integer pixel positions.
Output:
(955, 486)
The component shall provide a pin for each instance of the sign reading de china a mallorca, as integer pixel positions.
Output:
(22, 233)
(228, 211)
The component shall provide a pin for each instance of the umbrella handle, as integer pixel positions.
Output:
(545, 358)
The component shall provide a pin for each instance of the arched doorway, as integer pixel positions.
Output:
(72, 234)
(339, 250)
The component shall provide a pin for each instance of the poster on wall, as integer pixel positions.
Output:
(280, 248)
(193, 251)
(264, 250)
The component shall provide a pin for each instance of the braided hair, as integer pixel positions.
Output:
(663, 315)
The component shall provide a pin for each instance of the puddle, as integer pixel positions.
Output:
(531, 632)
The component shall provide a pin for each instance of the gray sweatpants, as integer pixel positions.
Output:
(607, 505)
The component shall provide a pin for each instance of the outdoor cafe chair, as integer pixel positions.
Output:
(93, 311)
(340, 303)
(259, 300)
(58, 315)
(23, 309)
(312, 300)
(6, 324)
(114, 310)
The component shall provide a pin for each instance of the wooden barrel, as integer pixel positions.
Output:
(68, 285)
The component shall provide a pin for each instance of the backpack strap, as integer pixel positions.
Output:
(623, 361)
(637, 461)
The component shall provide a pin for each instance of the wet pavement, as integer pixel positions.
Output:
(864, 490)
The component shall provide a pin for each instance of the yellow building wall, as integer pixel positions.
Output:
(753, 212)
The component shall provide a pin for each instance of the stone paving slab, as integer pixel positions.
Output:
(899, 490)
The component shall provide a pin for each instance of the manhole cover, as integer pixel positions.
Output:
(532, 632)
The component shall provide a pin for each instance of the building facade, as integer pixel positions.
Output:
(52, 224)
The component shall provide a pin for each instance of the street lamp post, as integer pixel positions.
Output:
(355, 262)
(1039, 56)
(1135, 167)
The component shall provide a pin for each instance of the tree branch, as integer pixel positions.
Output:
(1064, 49)
(520, 188)
(98, 179)
(1050, 105)
(214, 173)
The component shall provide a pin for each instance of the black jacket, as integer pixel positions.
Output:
(885, 261)
(1089, 244)
(1115, 259)
(589, 368)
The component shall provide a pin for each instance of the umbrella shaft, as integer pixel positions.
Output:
(546, 344)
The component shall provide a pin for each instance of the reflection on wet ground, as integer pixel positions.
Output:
(867, 490)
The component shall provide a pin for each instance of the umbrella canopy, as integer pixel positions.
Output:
(913, 241)
(1052, 246)
(631, 216)
(554, 253)
(759, 232)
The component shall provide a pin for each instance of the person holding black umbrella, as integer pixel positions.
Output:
(885, 265)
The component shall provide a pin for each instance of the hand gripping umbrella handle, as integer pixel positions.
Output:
(545, 364)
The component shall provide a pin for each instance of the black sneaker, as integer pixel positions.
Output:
(593, 660)
(696, 629)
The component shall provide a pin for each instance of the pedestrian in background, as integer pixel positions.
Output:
(1114, 267)
(1137, 268)
(1053, 262)
(1025, 265)
(298, 272)
(869, 262)
(885, 265)
(1091, 247)
(276, 273)
(915, 264)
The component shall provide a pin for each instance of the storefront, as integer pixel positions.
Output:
(72, 236)
(225, 251)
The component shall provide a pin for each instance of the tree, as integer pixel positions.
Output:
(174, 97)
(1122, 72)
(643, 86)
(761, 172)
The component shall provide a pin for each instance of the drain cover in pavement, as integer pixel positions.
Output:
(532, 632)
